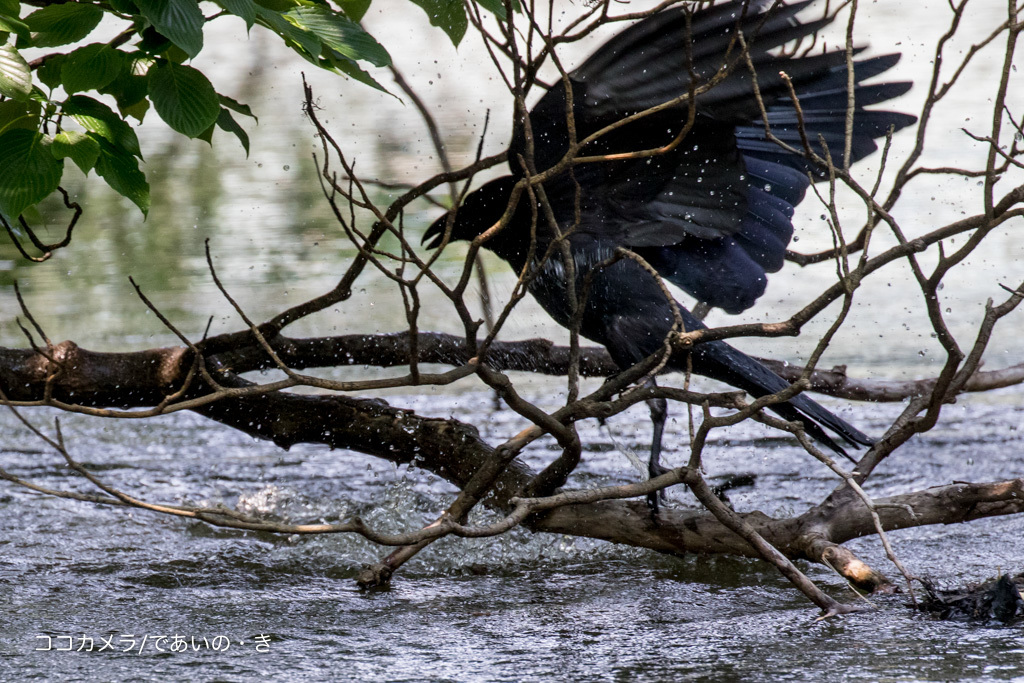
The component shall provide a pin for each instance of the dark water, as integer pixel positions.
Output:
(522, 607)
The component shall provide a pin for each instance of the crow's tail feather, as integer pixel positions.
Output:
(720, 361)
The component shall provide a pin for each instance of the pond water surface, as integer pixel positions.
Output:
(523, 608)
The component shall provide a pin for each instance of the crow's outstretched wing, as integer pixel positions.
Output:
(713, 215)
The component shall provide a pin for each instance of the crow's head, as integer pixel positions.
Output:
(481, 209)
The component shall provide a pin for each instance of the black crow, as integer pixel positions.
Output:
(713, 214)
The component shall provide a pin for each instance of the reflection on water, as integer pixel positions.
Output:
(523, 608)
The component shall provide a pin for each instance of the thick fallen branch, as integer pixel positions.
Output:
(455, 452)
(99, 377)
(835, 382)
(814, 537)
(542, 356)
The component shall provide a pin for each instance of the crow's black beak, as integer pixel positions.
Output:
(434, 235)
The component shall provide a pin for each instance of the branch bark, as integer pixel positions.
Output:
(454, 451)
(100, 377)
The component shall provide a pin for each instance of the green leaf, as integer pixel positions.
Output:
(19, 115)
(49, 72)
(90, 68)
(497, 7)
(130, 90)
(10, 7)
(304, 42)
(15, 75)
(207, 135)
(354, 9)
(29, 171)
(38, 95)
(340, 33)
(81, 148)
(121, 171)
(449, 15)
(153, 42)
(62, 24)
(137, 110)
(235, 105)
(131, 85)
(179, 20)
(139, 64)
(277, 5)
(100, 119)
(124, 6)
(246, 9)
(226, 122)
(352, 70)
(184, 98)
(11, 24)
(175, 54)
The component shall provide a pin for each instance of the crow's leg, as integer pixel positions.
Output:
(659, 413)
